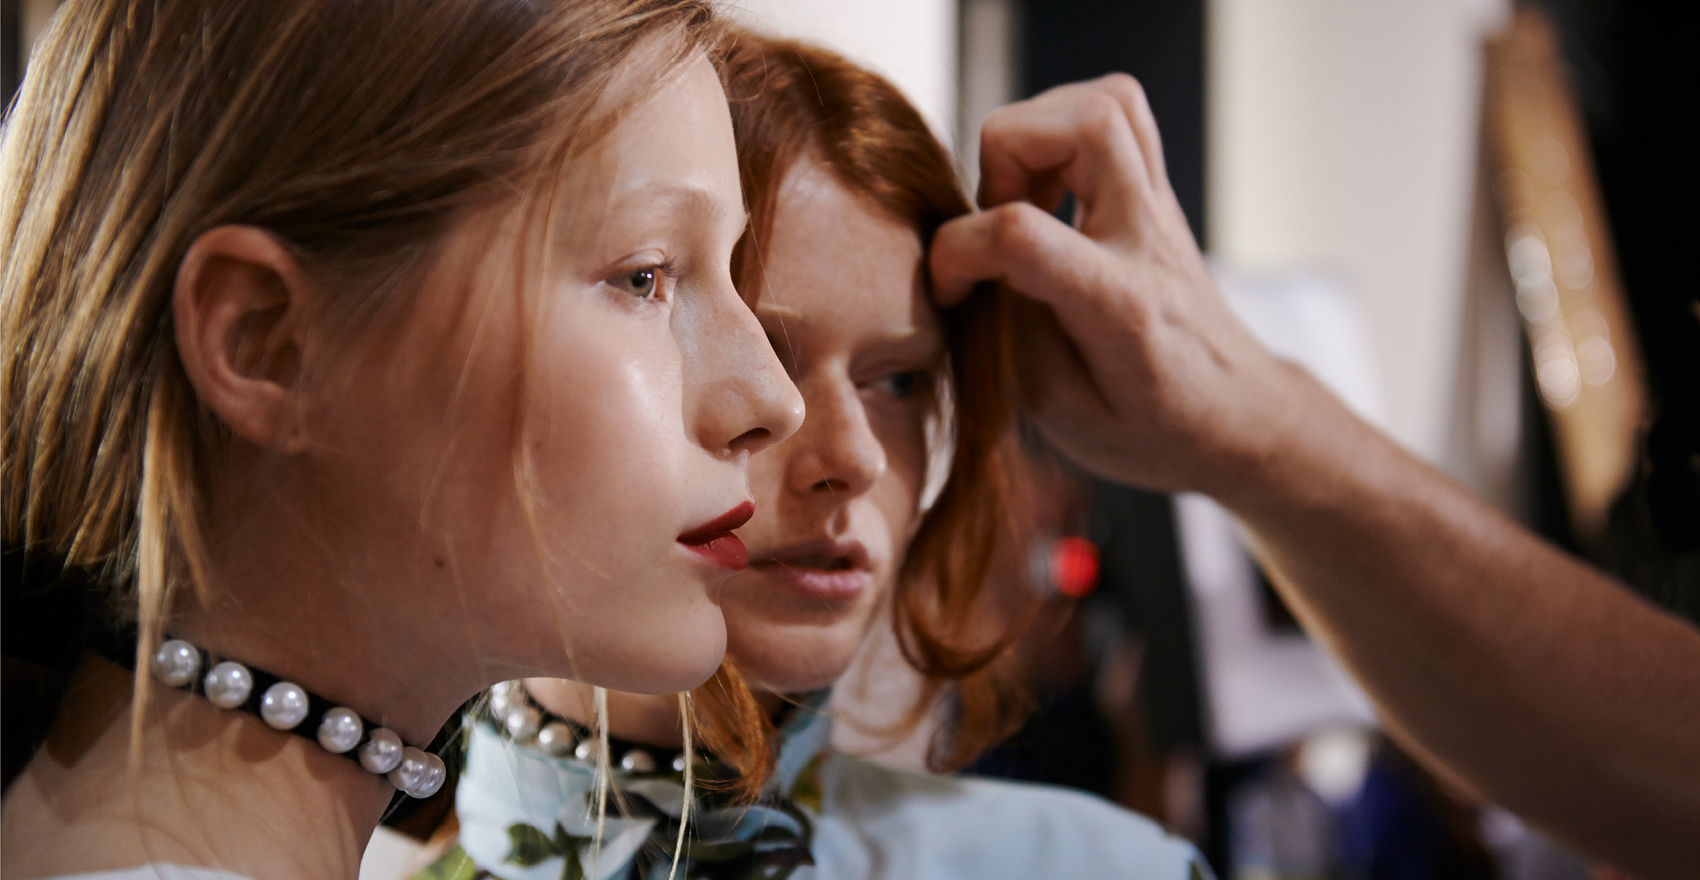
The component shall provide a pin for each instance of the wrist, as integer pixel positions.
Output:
(1303, 450)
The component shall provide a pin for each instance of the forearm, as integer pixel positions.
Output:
(1512, 667)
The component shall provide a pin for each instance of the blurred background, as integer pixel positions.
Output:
(1471, 218)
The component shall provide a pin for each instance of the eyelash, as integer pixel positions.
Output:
(658, 274)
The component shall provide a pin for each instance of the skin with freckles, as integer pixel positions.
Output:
(846, 310)
(369, 537)
(844, 305)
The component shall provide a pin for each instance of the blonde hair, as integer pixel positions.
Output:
(353, 132)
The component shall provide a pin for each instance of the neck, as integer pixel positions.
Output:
(211, 787)
(652, 719)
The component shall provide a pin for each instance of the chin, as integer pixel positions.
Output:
(794, 661)
(669, 666)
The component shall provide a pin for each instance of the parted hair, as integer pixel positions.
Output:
(793, 102)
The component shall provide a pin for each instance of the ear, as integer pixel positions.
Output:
(238, 309)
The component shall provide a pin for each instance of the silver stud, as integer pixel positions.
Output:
(557, 739)
(340, 730)
(228, 684)
(408, 773)
(382, 752)
(176, 663)
(637, 761)
(521, 722)
(283, 705)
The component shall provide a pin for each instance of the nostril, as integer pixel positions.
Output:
(755, 438)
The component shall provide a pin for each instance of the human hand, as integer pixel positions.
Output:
(1129, 359)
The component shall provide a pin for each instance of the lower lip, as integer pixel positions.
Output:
(724, 550)
(818, 583)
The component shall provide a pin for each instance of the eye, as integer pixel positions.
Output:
(900, 384)
(641, 283)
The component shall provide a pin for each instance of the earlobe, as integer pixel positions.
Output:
(237, 311)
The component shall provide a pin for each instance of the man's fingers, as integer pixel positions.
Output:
(1080, 136)
(1131, 96)
(1031, 252)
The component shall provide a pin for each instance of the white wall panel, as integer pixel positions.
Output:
(910, 42)
(1342, 138)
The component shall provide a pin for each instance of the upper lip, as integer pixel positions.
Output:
(720, 525)
(823, 553)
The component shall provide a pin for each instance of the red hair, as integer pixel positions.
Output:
(793, 102)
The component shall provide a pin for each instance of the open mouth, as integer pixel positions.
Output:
(816, 561)
(823, 569)
(715, 542)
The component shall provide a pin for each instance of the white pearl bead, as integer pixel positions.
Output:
(587, 750)
(432, 779)
(340, 730)
(176, 663)
(557, 739)
(522, 722)
(502, 698)
(637, 761)
(411, 772)
(679, 764)
(228, 684)
(283, 705)
(382, 752)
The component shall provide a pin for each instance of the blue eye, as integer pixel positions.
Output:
(640, 283)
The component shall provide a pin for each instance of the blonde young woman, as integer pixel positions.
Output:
(359, 356)
(845, 186)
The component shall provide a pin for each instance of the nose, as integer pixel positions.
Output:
(737, 393)
(837, 451)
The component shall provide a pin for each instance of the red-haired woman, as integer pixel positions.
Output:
(845, 187)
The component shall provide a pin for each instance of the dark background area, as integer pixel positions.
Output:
(1160, 43)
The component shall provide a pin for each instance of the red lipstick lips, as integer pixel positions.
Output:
(715, 542)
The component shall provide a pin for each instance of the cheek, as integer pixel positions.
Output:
(604, 432)
(576, 478)
(902, 432)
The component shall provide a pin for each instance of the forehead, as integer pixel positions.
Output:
(671, 157)
(837, 260)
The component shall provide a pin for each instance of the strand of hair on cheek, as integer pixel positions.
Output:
(602, 772)
(690, 779)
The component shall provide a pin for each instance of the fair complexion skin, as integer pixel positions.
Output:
(366, 535)
(1510, 668)
(843, 304)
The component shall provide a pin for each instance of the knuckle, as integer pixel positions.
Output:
(995, 127)
(1015, 228)
(1103, 111)
(1124, 87)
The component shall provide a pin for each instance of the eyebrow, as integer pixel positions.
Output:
(908, 340)
(684, 199)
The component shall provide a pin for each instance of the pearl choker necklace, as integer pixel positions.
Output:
(287, 706)
(517, 716)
